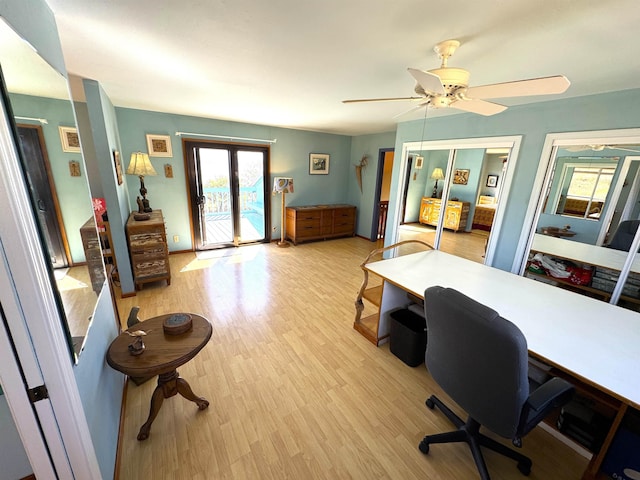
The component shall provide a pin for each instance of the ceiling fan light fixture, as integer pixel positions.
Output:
(446, 49)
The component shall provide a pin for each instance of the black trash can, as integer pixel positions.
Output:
(408, 336)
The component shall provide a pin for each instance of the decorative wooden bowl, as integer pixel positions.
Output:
(177, 323)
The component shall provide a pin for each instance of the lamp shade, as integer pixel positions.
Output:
(140, 165)
(282, 185)
(437, 174)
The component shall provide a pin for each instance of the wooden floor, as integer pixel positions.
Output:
(470, 245)
(294, 391)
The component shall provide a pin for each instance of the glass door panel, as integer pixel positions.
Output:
(216, 219)
(251, 177)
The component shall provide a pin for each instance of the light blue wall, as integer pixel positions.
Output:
(289, 157)
(533, 122)
(73, 193)
(100, 386)
(369, 145)
(104, 132)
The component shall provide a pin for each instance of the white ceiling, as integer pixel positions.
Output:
(290, 63)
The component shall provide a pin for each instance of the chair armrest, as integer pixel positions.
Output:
(549, 395)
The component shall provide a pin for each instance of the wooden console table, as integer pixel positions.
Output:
(162, 356)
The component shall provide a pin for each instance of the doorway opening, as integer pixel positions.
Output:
(44, 193)
(228, 188)
(381, 199)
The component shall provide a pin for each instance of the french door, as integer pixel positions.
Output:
(228, 188)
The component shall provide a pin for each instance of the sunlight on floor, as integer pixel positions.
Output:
(206, 259)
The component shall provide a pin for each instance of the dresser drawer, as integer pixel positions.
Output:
(304, 216)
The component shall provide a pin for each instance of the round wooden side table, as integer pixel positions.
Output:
(163, 354)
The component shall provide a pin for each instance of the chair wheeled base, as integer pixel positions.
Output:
(469, 432)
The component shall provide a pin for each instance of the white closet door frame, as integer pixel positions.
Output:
(35, 326)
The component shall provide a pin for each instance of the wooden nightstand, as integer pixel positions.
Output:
(147, 241)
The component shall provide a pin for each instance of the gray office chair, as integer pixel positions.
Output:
(624, 234)
(481, 361)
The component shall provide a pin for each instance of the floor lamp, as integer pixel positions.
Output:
(282, 185)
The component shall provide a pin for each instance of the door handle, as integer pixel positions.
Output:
(200, 200)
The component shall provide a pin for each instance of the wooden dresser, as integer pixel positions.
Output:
(455, 215)
(93, 254)
(317, 222)
(147, 241)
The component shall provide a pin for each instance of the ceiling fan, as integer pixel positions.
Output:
(449, 87)
(599, 148)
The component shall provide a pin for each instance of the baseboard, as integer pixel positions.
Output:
(566, 440)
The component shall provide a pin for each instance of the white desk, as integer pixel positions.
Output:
(588, 339)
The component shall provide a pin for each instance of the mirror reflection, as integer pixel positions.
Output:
(458, 187)
(55, 172)
(588, 220)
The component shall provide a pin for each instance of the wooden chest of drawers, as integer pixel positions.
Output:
(93, 254)
(147, 241)
(455, 215)
(317, 222)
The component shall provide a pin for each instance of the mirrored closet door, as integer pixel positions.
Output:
(587, 214)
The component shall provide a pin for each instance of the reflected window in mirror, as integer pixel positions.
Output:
(584, 189)
(61, 201)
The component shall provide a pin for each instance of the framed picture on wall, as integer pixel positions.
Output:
(159, 145)
(69, 139)
(419, 162)
(492, 180)
(318, 164)
(460, 176)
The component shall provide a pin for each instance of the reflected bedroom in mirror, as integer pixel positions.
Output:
(588, 219)
(49, 149)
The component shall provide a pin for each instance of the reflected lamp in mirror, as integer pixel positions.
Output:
(436, 175)
(140, 165)
(282, 185)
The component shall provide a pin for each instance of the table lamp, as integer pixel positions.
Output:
(436, 175)
(141, 165)
(282, 185)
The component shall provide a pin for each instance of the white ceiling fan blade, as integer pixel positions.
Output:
(576, 148)
(390, 99)
(475, 105)
(430, 82)
(425, 105)
(522, 88)
(613, 147)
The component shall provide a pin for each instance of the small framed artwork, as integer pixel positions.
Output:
(118, 166)
(159, 145)
(318, 164)
(168, 170)
(492, 180)
(74, 168)
(69, 139)
(419, 162)
(460, 176)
